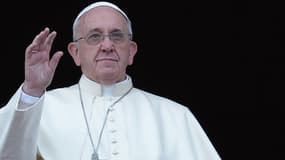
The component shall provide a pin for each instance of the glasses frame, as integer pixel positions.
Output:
(103, 36)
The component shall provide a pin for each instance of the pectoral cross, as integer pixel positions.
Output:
(94, 156)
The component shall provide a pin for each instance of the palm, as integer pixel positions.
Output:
(39, 67)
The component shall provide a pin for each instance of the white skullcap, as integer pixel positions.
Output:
(98, 4)
(102, 3)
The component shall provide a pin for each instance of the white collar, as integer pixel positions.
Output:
(95, 89)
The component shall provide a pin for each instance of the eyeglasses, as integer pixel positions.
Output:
(96, 37)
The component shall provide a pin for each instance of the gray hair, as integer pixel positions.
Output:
(97, 4)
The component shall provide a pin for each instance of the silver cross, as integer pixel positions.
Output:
(94, 156)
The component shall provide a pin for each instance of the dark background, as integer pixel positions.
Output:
(224, 60)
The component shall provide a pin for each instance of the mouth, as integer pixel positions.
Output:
(106, 59)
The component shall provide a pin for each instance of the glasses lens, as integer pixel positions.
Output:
(94, 38)
(115, 37)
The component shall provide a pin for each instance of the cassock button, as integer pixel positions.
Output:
(115, 153)
(113, 130)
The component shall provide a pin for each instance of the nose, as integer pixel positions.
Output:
(107, 45)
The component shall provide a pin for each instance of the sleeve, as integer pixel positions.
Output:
(19, 129)
(26, 101)
(196, 141)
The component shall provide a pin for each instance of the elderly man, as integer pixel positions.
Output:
(102, 116)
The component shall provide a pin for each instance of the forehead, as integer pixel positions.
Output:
(102, 18)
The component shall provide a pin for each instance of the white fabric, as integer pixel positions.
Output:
(19, 130)
(142, 126)
(28, 98)
(98, 4)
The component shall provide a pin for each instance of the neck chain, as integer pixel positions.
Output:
(95, 149)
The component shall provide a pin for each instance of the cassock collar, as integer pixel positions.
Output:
(96, 89)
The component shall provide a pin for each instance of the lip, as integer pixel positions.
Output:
(106, 59)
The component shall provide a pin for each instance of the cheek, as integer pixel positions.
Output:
(86, 60)
(125, 60)
(87, 55)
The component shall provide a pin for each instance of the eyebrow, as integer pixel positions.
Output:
(99, 30)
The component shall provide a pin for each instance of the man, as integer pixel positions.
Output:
(103, 116)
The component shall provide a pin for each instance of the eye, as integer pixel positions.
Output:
(95, 36)
(117, 36)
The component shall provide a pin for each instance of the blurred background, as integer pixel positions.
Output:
(223, 60)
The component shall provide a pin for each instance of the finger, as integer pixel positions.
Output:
(51, 37)
(35, 45)
(41, 37)
(49, 41)
(55, 59)
(31, 49)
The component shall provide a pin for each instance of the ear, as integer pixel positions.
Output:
(73, 51)
(133, 51)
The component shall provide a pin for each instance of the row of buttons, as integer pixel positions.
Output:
(113, 131)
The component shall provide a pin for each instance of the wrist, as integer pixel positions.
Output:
(33, 91)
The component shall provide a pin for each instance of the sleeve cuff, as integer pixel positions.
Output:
(28, 99)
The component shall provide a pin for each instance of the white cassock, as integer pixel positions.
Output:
(140, 126)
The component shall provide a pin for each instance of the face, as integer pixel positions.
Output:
(105, 62)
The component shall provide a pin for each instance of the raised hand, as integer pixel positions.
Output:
(39, 67)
